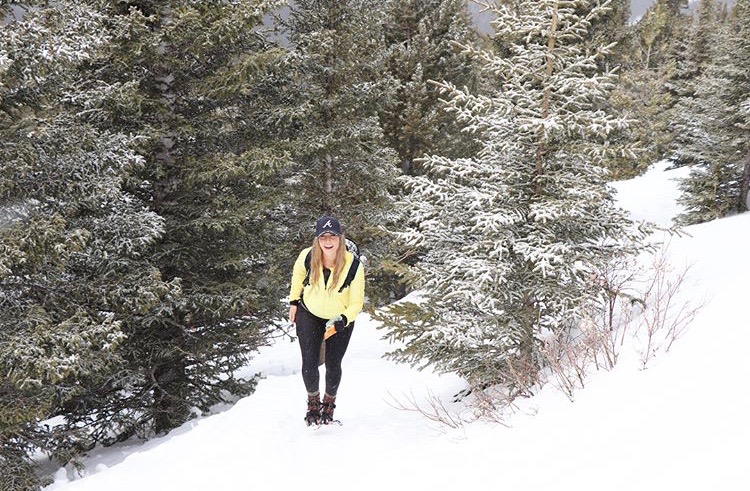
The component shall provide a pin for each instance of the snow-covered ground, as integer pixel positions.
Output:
(682, 423)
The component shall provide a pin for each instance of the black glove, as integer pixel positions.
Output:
(340, 322)
(337, 324)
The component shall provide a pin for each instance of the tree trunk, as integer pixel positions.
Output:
(526, 369)
(328, 185)
(406, 166)
(170, 408)
(745, 184)
(542, 148)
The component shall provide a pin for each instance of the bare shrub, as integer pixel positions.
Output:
(565, 362)
(432, 407)
(595, 342)
(495, 404)
(638, 303)
(664, 319)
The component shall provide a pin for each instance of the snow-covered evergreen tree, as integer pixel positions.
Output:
(512, 240)
(691, 53)
(199, 72)
(640, 97)
(612, 28)
(715, 133)
(656, 30)
(745, 181)
(344, 165)
(647, 64)
(73, 238)
(139, 168)
(422, 38)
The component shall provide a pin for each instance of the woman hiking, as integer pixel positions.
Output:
(327, 293)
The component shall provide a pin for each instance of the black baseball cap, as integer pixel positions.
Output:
(326, 225)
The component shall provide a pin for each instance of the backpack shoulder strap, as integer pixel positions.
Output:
(308, 258)
(351, 273)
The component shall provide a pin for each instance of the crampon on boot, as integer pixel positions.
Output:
(326, 409)
(313, 410)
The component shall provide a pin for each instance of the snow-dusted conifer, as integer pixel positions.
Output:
(612, 28)
(656, 30)
(423, 41)
(641, 96)
(715, 125)
(692, 53)
(513, 238)
(423, 38)
(200, 75)
(73, 238)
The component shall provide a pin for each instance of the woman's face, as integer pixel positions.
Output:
(329, 243)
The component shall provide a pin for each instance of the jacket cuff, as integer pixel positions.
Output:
(294, 302)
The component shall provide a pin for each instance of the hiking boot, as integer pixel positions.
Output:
(326, 409)
(313, 410)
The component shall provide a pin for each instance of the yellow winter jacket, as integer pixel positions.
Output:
(325, 303)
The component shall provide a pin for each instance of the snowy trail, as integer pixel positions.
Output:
(680, 424)
(263, 437)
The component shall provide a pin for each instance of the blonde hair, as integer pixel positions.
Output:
(316, 263)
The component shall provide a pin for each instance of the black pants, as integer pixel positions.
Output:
(310, 331)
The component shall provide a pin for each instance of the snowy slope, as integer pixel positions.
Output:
(679, 424)
(653, 196)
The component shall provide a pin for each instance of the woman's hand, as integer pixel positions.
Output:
(292, 313)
